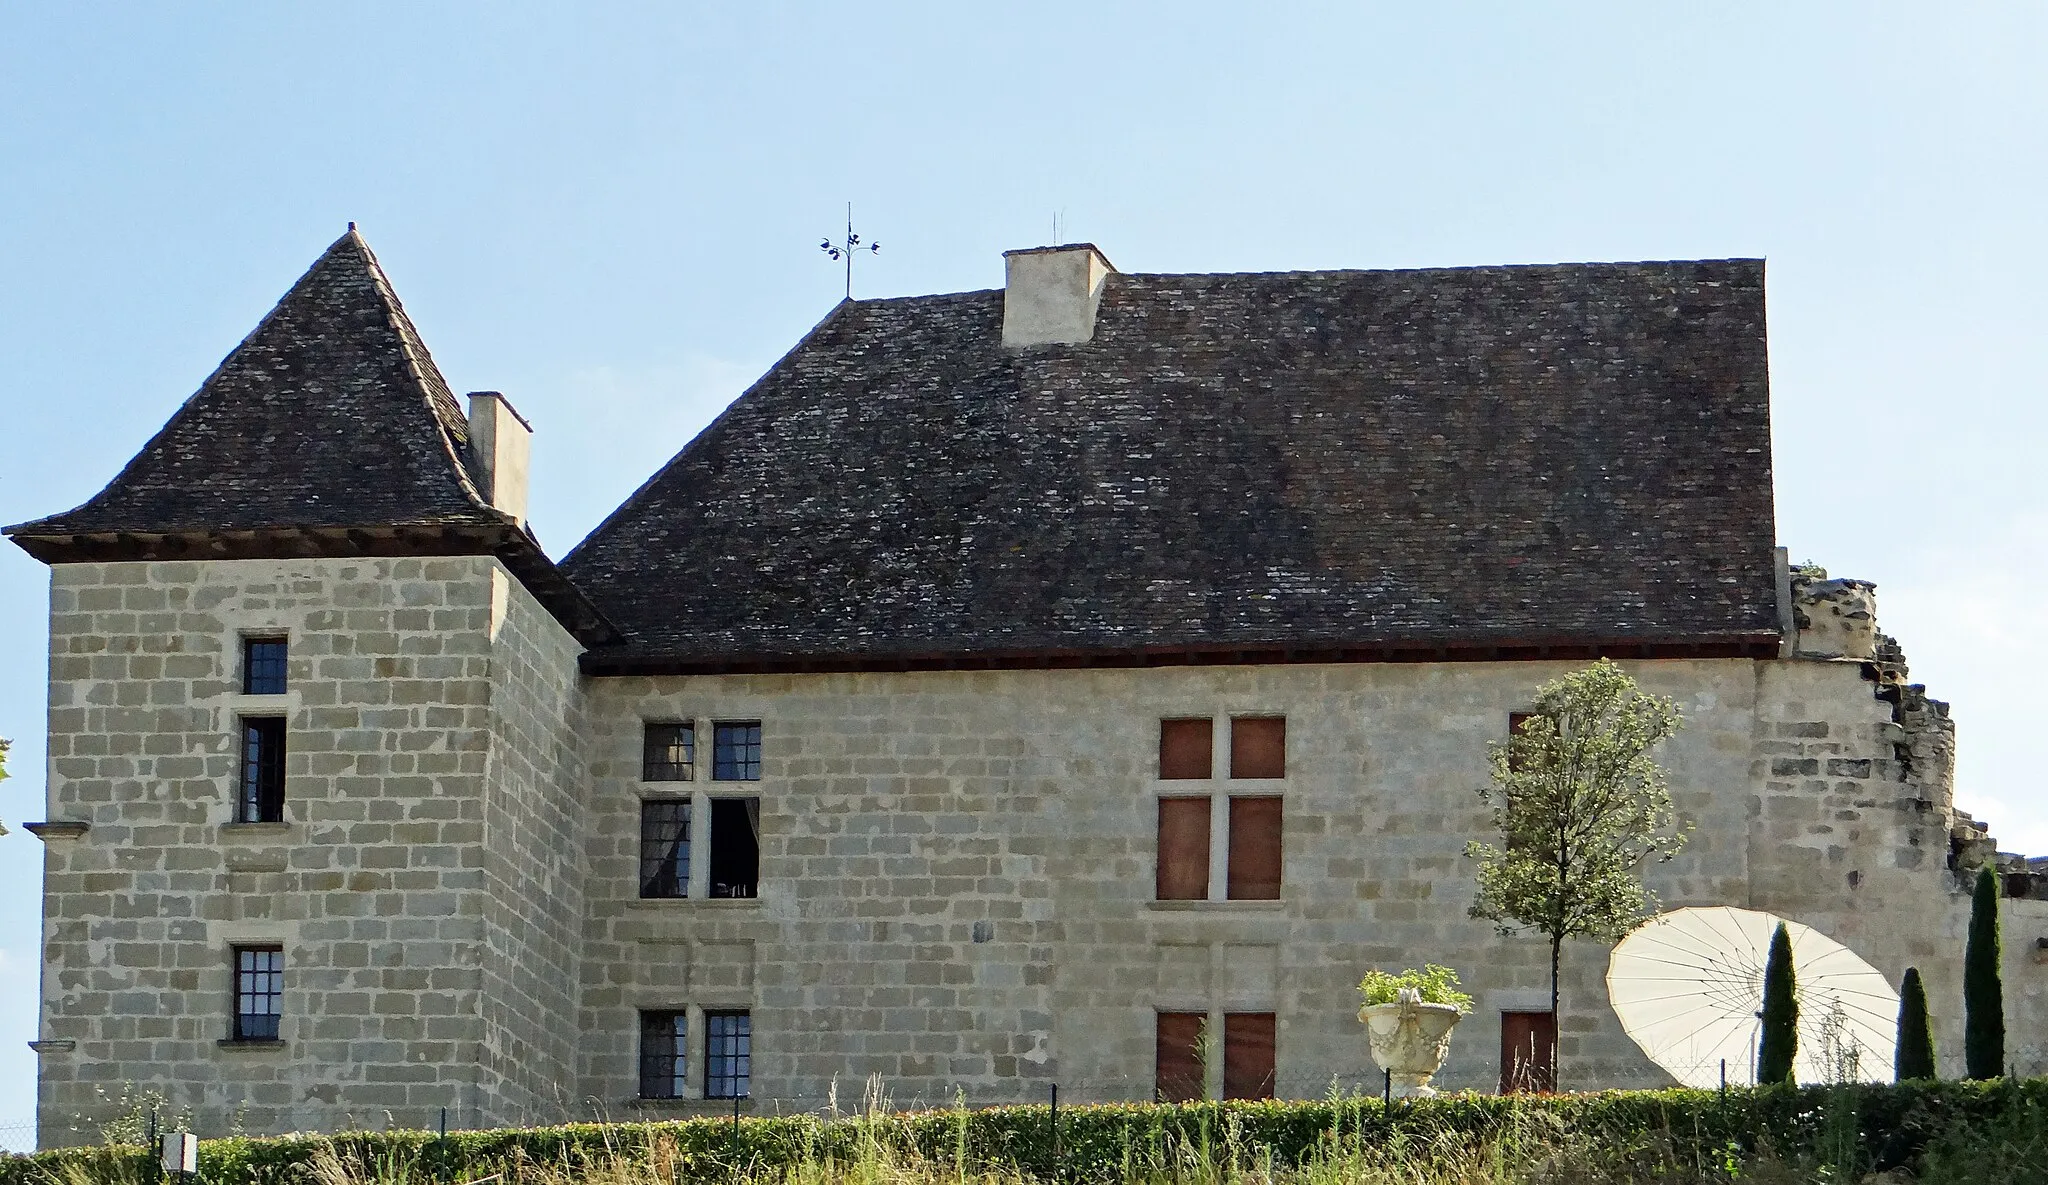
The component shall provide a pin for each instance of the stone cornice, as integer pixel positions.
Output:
(504, 540)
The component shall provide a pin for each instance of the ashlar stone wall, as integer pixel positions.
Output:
(534, 824)
(957, 868)
(958, 873)
(379, 883)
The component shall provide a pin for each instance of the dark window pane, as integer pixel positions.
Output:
(1185, 748)
(1183, 873)
(665, 847)
(259, 992)
(736, 752)
(664, 1038)
(728, 1054)
(735, 847)
(1258, 747)
(263, 666)
(262, 791)
(1177, 1057)
(1248, 1055)
(668, 751)
(1254, 873)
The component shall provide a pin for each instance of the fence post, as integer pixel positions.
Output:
(1058, 1166)
(1387, 1099)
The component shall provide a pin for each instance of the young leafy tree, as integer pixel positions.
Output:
(1780, 1042)
(1983, 990)
(1580, 805)
(1915, 1058)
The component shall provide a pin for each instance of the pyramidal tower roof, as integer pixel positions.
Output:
(327, 431)
(330, 414)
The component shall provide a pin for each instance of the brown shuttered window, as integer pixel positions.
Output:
(1183, 849)
(1528, 1052)
(1185, 749)
(1254, 849)
(1248, 1055)
(1258, 747)
(1515, 722)
(1177, 1073)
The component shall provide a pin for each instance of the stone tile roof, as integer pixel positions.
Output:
(1494, 460)
(330, 414)
(327, 431)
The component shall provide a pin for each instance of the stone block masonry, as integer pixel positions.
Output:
(406, 816)
(956, 869)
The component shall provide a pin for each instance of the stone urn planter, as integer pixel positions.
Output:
(1409, 1039)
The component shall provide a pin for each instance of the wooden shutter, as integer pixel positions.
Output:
(1183, 849)
(1185, 749)
(1515, 722)
(1177, 1071)
(1248, 1055)
(1254, 873)
(1528, 1052)
(1258, 747)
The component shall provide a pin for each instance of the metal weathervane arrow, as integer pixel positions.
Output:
(847, 249)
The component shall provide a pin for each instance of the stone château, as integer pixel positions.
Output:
(1009, 688)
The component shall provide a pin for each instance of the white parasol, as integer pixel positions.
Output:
(1688, 985)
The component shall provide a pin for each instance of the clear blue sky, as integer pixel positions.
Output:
(612, 214)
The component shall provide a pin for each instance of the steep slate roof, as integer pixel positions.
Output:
(331, 413)
(1468, 462)
(327, 431)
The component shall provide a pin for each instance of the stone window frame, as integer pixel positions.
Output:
(703, 833)
(694, 1064)
(1221, 789)
(237, 950)
(1221, 1067)
(250, 660)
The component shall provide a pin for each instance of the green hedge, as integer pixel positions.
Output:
(1860, 1127)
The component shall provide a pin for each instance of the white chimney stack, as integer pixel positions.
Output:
(500, 446)
(1050, 294)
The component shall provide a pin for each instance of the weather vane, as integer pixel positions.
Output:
(847, 249)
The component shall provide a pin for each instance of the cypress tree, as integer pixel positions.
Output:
(1983, 993)
(1781, 1013)
(1915, 1056)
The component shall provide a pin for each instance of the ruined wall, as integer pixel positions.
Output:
(373, 883)
(532, 902)
(1856, 830)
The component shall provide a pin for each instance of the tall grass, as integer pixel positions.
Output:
(1531, 1147)
(1950, 1134)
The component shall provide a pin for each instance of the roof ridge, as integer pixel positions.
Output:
(1449, 269)
(419, 361)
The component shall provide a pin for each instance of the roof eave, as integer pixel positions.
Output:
(487, 533)
(1733, 644)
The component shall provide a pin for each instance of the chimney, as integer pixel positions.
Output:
(500, 443)
(1050, 294)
